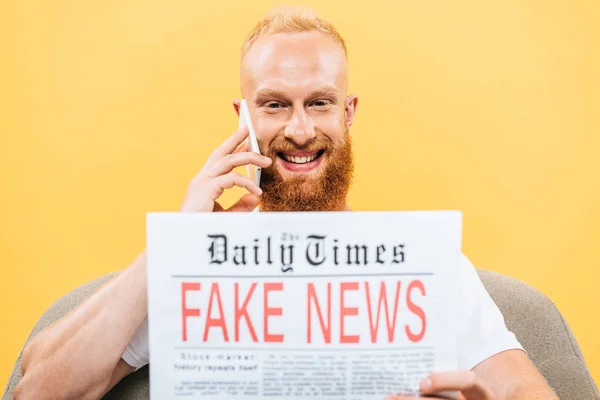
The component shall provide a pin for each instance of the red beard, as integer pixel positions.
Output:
(326, 192)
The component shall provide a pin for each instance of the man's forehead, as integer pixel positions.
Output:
(307, 59)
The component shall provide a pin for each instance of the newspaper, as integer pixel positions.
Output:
(349, 305)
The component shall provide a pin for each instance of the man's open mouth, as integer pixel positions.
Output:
(301, 158)
(301, 161)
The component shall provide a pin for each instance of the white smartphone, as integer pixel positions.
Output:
(253, 171)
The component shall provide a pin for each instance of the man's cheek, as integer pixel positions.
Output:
(334, 132)
(266, 130)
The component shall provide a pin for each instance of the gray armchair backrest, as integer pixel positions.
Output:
(544, 334)
(533, 318)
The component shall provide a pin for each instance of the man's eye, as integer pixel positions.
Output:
(320, 103)
(274, 105)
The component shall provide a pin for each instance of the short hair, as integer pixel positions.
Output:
(292, 19)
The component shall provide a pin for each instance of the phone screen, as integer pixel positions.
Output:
(253, 171)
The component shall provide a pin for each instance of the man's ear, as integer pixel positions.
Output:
(236, 106)
(351, 103)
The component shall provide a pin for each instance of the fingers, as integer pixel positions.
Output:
(229, 145)
(466, 382)
(231, 161)
(247, 203)
(232, 179)
(217, 175)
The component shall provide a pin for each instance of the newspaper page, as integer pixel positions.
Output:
(349, 305)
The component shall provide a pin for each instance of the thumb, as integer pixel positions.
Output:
(247, 203)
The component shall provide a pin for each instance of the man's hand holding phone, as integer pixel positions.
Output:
(217, 175)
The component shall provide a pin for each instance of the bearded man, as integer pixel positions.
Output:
(294, 75)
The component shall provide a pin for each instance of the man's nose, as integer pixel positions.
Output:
(300, 128)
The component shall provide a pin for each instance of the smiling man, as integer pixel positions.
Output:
(295, 79)
(294, 75)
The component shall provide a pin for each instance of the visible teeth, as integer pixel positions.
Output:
(299, 160)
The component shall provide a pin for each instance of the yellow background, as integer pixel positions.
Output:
(109, 108)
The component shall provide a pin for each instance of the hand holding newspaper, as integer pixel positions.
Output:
(300, 305)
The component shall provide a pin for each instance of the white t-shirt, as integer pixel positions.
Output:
(481, 328)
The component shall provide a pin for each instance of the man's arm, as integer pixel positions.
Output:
(509, 375)
(80, 355)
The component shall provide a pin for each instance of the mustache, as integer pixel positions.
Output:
(285, 145)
